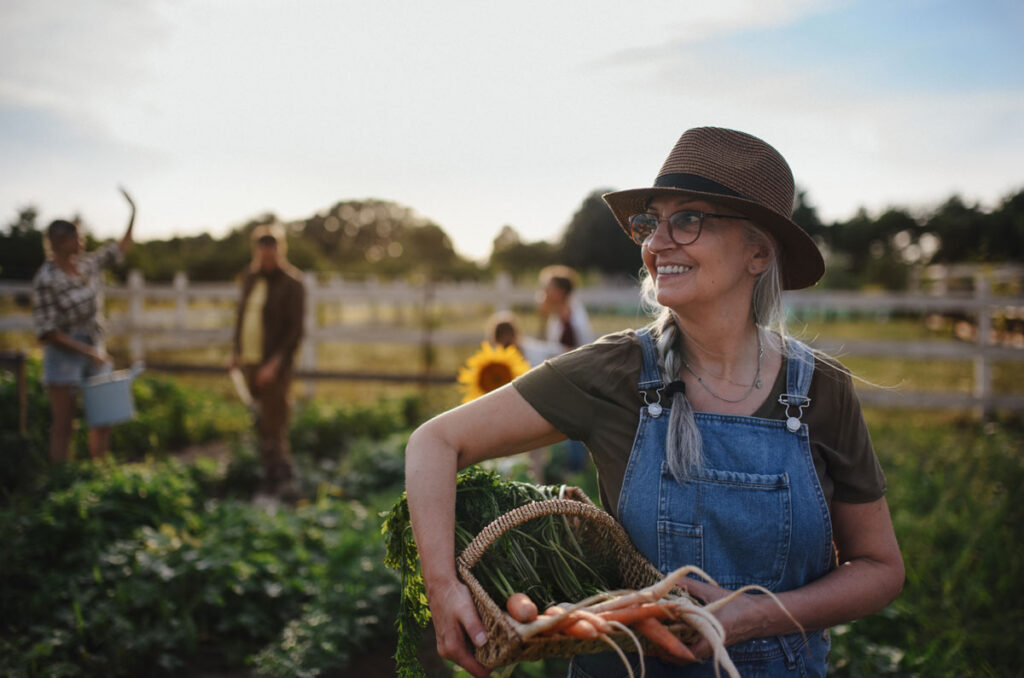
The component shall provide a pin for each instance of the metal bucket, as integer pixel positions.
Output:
(108, 397)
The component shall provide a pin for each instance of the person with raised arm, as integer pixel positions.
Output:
(69, 321)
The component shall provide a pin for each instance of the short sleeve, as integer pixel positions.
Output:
(581, 391)
(844, 443)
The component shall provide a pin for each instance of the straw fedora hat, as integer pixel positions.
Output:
(736, 170)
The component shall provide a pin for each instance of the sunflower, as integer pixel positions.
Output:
(490, 368)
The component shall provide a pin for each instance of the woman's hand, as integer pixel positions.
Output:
(868, 577)
(268, 372)
(126, 240)
(127, 197)
(735, 615)
(455, 619)
(499, 423)
(100, 356)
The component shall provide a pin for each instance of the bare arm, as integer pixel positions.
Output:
(870, 575)
(126, 241)
(498, 424)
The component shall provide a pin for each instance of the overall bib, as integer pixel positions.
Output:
(753, 514)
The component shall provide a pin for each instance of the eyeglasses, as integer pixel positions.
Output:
(684, 226)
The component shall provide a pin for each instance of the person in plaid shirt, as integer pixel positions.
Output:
(67, 319)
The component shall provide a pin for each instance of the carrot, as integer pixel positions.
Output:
(657, 633)
(597, 622)
(631, 615)
(582, 630)
(557, 618)
(521, 608)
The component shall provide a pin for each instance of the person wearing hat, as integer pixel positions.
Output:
(68, 320)
(720, 441)
(268, 329)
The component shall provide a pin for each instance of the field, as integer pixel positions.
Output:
(223, 585)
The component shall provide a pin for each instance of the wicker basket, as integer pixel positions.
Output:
(593, 528)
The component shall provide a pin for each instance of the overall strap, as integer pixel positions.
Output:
(650, 375)
(799, 370)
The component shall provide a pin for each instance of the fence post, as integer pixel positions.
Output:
(180, 299)
(307, 359)
(982, 363)
(430, 319)
(373, 298)
(503, 291)
(136, 296)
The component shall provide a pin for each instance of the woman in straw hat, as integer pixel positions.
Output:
(719, 440)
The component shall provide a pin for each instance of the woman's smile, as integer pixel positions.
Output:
(672, 269)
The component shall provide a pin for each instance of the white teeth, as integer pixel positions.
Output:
(673, 269)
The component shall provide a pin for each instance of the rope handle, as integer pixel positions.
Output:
(578, 507)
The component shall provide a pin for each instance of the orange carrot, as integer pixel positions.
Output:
(582, 630)
(521, 608)
(561, 624)
(597, 622)
(663, 638)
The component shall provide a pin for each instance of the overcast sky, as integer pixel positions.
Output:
(480, 114)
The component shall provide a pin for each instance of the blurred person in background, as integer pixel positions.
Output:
(565, 326)
(268, 329)
(503, 330)
(68, 320)
(564, 323)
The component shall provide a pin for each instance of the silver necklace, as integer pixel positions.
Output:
(756, 383)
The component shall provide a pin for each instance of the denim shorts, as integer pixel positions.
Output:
(63, 367)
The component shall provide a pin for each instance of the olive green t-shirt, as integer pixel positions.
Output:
(590, 394)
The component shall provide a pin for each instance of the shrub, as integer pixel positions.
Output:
(324, 432)
(127, 571)
(169, 416)
(952, 486)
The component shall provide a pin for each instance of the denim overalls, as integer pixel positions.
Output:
(754, 514)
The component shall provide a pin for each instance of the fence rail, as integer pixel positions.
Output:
(184, 315)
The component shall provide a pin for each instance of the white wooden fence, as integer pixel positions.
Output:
(184, 315)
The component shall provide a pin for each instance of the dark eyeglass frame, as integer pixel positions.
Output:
(642, 226)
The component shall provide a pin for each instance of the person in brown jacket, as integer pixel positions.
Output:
(268, 329)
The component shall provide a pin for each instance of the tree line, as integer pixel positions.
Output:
(360, 238)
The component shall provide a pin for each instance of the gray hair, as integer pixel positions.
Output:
(683, 446)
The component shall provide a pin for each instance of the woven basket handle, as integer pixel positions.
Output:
(503, 523)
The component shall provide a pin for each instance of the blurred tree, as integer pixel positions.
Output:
(509, 253)
(21, 247)
(381, 238)
(805, 214)
(875, 252)
(1007, 225)
(959, 229)
(966, 233)
(594, 240)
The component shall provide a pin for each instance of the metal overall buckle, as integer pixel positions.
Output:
(655, 409)
(798, 401)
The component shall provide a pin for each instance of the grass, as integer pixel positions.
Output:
(952, 486)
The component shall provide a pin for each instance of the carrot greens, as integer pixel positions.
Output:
(541, 558)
